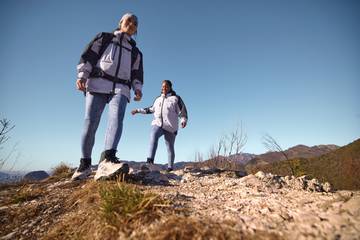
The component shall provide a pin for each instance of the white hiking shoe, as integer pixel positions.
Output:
(83, 171)
(110, 169)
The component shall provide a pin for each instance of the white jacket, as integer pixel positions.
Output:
(167, 110)
(115, 61)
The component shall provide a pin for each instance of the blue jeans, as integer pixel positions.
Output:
(156, 133)
(94, 107)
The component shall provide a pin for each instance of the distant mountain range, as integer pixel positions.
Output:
(10, 176)
(298, 151)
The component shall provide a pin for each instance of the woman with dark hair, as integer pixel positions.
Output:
(167, 110)
(109, 67)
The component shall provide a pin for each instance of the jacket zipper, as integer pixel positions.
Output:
(119, 62)
(161, 112)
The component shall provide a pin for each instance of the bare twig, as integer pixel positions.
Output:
(5, 128)
(241, 139)
(221, 154)
(272, 145)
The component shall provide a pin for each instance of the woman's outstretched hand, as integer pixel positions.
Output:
(81, 84)
(133, 112)
(138, 95)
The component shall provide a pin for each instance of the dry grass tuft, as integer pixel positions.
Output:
(107, 210)
(123, 203)
(189, 228)
(26, 193)
(61, 171)
(82, 220)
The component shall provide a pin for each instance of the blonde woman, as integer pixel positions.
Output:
(109, 68)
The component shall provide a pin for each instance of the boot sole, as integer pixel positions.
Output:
(81, 177)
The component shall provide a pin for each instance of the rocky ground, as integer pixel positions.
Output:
(283, 207)
(294, 208)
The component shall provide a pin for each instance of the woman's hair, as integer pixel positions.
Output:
(129, 15)
(168, 82)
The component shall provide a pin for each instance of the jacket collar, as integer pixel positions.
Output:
(118, 34)
(169, 94)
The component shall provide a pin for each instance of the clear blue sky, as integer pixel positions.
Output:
(287, 68)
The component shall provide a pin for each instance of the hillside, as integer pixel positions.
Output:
(185, 204)
(298, 151)
(340, 167)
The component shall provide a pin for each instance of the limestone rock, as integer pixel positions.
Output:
(147, 176)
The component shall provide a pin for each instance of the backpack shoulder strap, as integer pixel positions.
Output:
(91, 56)
(106, 40)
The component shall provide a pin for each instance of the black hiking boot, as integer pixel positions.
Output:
(84, 169)
(150, 160)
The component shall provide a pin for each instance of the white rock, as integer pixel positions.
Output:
(327, 187)
(260, 175)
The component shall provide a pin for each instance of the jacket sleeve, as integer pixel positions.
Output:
(89, 57)
(147, 110)
(182, 110)
(137, 73)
